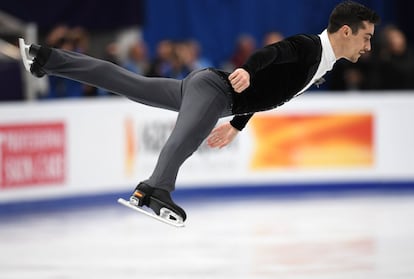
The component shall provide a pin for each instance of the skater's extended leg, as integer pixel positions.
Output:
(158, 92)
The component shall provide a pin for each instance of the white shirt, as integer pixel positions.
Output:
(328, 60)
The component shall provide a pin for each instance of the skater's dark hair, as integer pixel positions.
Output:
(352, 14)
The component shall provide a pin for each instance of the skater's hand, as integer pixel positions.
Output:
(240, 80)
(222, 135)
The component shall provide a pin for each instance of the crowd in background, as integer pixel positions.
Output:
(390, 65)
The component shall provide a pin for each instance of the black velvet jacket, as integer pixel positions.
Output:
(277, 73)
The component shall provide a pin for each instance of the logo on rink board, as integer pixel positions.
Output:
(333, 140)
(32, 154)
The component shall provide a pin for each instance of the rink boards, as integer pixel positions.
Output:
(86, 148)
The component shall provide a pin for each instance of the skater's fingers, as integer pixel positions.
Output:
(234, 75)
(222, 135)
(217, 133)
(212, 136)
(217, 130)
(240, 88)
(214, 133)
(215, 141)
(212, 141)
(213, 144)
(223, 144)
(238, 73)
(240, 85)
(239, 80)
(218, 145)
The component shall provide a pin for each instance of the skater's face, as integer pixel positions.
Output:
(356, 44)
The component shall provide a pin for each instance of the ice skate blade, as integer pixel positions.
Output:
(24, 52)
(164, 212)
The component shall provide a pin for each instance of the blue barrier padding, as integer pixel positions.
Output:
(219, 192)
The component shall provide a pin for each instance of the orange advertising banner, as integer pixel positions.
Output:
(308, 141)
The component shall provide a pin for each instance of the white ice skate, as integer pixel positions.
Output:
(24, 52)
(166, 215)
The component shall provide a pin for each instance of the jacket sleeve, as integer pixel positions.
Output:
(240, 121)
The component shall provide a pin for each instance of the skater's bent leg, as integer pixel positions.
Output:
(203, 104)
(158, 92)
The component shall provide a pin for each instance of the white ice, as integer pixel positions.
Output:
(332, 238)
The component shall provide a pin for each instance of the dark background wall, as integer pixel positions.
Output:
(216, 24)
(92, 14)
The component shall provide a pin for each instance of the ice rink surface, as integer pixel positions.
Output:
(318, 237)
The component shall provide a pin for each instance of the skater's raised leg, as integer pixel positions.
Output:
(157, 92)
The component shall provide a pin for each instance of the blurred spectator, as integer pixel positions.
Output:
(347, 76)
(186, 58)
(390, 65)
(111, 55)
(162, 63)
(195, 58)
(361, 76)
(137, 58)
(245, 46)
(73, 39)
(272, 37)
(80, 39)
(396, 60)
(60, 37)
(57, 36)
(180, 62)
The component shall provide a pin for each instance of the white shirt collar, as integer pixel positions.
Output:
(327, 50)
(328, 60)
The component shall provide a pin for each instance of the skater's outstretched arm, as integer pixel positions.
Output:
(222, 135)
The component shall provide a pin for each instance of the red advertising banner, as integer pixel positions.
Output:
(32, 154)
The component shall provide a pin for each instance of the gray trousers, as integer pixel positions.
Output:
(200, 100)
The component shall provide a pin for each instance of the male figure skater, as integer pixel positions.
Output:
(270, 77)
